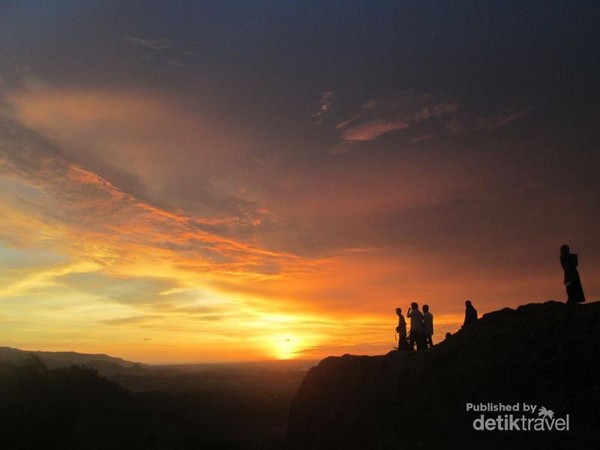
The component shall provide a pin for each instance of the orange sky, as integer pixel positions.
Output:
(189, 206)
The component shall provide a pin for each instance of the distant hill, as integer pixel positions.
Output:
(218, 407)
(104, 364)
(545, 355)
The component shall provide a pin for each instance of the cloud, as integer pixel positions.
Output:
(41, 279)
(161, 51)
(400, 111)
(128, 321)
(113, 225)
(469, 123)
(324, 105)
(124, 137)
(158, 45)
(423, 114)
(372, 129)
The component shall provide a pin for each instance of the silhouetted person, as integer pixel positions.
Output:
(416, 327)
(448, 335)
(572, 282)
(427, 326)
(401, 330)
(470, 314)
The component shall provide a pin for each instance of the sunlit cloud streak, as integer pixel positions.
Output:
(402, 111)
(92, 204)
(124, 137)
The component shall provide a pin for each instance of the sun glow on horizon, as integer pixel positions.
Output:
(286, 347)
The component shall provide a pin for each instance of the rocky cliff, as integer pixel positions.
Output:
(533, 372)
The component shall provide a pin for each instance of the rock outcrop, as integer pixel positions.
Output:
(544, 355)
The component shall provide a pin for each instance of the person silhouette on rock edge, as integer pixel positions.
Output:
(470, 314)
(569, 262)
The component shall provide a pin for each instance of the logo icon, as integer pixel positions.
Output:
(545, 413)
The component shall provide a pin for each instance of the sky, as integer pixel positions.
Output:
(191, 181)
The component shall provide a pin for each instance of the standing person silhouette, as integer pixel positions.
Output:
(470, 314)
(416, 327)
(427, 326)
(401, 330)
(569, 263)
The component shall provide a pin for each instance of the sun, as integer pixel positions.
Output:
(286, 347)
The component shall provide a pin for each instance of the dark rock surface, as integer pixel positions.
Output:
(541, 354)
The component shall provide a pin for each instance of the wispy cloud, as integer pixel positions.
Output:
(373, 129)
(92, 205)
(379, 117)
(122, 138)
(469, 123)
(130, 320)
(158, 45)
(161, 51)
(101, 223)
(427, 115)
(325, 104)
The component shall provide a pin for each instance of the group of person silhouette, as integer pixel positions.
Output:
(421, 323)
(421, 326)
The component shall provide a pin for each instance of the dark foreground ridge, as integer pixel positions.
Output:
(540, 354)
(196, 407)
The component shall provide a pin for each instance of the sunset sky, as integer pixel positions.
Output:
(190, 181)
